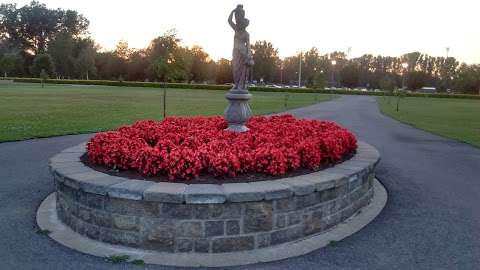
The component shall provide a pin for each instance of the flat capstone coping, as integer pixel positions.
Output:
(72, 172)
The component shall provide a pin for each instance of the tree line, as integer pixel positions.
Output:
(36, 40)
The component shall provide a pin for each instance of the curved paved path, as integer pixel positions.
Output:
(431, 221)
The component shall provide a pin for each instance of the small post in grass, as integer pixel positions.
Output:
(286, 101)
(43, 76)
(400, 94)
(164, 100)
(391, 92)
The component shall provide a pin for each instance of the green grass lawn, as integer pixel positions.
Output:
(29, 111)
(453, 118)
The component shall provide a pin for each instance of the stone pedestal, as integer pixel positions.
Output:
(238, 111)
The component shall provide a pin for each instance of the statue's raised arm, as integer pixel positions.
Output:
(230, 20)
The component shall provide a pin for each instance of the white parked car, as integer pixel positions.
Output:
(427, 90)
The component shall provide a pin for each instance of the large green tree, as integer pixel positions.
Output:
(387, 83)
(416, 80)
(447, 68)
(349, 75)
(169, 61)
(110, 66)
(290, 68)
(33, 26)
(224, 71)
(137, 65)
(314, 68)
(163, 46)
(122, 50)
(9, 63)
(267, 62)
(199, 65)
(161, 53)
(43, 63)
(467, 79)
(61, 48)
(85, 63)
(167, 70)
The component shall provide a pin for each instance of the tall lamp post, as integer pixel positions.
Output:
(447, 79)
(281, 73)
(405, 66)
(300, 71)
(334, 63)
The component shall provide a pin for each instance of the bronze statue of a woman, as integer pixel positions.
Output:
(242, 56)
(238, 111)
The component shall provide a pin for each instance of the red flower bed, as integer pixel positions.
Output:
(183, 148)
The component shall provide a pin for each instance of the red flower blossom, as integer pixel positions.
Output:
(183, 148)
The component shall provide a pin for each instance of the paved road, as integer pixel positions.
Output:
(431, 221)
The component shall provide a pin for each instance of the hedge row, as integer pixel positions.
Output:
(226, 87)
(126, 83)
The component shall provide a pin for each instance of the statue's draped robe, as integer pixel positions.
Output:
(240, 59)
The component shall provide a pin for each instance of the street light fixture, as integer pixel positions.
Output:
(405, 66)
(446, 79)
(281, 72)
(300, 70)
(334, 63)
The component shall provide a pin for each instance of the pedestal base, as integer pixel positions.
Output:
(237, 128)
(238, 111)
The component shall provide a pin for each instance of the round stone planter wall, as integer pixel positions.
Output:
(201, 218)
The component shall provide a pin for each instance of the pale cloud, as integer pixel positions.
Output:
(369, 26)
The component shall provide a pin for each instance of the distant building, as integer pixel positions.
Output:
(427, 90)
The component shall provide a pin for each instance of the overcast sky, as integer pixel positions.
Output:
(387, 27)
